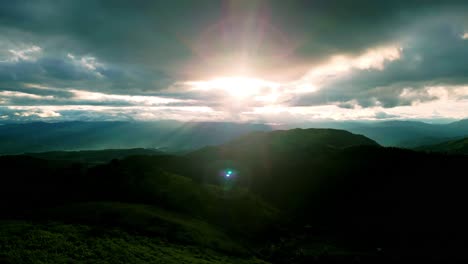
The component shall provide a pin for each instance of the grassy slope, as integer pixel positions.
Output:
(182, 218)
(455, 147)
(148, 220)
(22, 242)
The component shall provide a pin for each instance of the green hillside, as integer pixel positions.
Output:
(25, 242)
(459, 146)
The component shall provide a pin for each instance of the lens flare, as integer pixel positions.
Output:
(228, 173)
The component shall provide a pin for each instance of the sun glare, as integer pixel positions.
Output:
(239, 87)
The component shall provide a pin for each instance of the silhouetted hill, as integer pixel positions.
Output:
(286, 142)
(301, 140)
(453, 147)
(261, 160)
(171, 136)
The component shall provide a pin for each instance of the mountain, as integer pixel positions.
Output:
(260, 160)
(452, 147)
(260, 145)
(169, 136)
(408, 134)
(296, 140)
(294, 196)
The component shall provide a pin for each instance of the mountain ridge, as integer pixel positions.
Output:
(459, 146)
(182, 137)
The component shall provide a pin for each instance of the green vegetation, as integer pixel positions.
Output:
(149, 220)
(23, 242)
(292, 197)
(459, 146)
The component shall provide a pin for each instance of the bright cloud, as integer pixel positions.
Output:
(88, 63)
(14, 94)
(39, 113)
(239, 98)
(81, 95)
(247, 92)
(339, 65)
(97, 113)
(245, 61)
(26, 54)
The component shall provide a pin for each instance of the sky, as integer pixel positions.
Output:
(233, 60)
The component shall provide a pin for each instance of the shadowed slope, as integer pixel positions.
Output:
(452, 147)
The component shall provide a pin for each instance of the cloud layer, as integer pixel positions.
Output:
(262, 61)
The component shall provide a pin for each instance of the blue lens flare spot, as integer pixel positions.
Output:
(228, 173)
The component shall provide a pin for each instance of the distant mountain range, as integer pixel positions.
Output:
(407, 134)
(180, 137)
(169, 136)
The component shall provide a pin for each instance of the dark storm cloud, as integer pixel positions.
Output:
(160, 34)
(115, 31)
(329, 27)
(78, 73)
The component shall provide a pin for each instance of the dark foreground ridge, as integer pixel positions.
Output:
(293, 196)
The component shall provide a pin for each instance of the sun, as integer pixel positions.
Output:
(239, 87)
